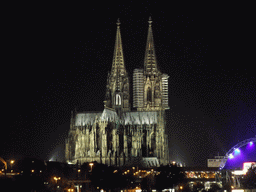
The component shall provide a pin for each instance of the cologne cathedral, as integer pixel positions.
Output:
(119, 136)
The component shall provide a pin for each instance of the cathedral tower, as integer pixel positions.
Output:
(150, 86)
(117, 90)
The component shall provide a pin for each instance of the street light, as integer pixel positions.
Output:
(91, 164)
(56, 179)
(12, 161)
(78, 173)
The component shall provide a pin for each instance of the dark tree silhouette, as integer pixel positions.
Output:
(169, 177)
(249, 180)
(107, 178)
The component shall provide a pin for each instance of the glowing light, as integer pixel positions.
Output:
(247, 165)
(231, 156)
(251, 143)
(237, 150)
(91, 164)
(238, 172)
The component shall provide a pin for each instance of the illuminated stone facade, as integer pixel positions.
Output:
(119, 136)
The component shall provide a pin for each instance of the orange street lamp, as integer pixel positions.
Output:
(56, 179)
(12, 161)
(91, 164)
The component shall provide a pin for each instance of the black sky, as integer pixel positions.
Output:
(56, 58)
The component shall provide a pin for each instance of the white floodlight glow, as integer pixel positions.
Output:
(231, 156)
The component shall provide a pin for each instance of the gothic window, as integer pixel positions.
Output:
(121, 139)
(118, 99)
(98, 138)
(109, 137)
(129, 144)
(144, 144)
(153, 143)
(149, 95)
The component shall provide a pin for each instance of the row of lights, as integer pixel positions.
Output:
(140, 172)
(237, 150)
(12, 161)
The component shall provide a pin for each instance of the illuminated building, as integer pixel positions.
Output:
(216, 162)
(117, 135)
(204, 176)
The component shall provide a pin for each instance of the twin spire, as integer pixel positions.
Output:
(118, 58)
(150, 64)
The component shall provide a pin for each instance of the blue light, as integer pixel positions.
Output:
(251, 143)
(237, 150)
(231, 156)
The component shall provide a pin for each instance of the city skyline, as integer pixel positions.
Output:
(208, 57)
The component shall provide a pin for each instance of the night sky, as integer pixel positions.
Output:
(56, 59)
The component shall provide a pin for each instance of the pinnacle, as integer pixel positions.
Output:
(118, 22)
(149, 20)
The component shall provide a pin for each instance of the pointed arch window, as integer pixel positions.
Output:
(118, 99)
(149, 95)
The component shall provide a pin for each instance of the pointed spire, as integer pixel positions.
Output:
(150, 64)
(149, 20)
(118, 85)
(118, 59)
(118, 22)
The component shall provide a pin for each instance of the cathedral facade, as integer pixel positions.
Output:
(119, 136)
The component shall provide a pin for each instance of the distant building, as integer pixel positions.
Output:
(117, 135)
(216, 162)
(206, 176)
